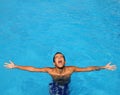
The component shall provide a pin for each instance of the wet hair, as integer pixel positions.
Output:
(58, 53)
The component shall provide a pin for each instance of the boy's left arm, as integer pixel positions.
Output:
(93, 68)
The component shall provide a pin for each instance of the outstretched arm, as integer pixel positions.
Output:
(11, 65)
(92, 68)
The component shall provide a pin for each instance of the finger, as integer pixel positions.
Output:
(109, 63)
(112, 65)
(113, 68)
(6, 66)
(11, 61)
(6, 63)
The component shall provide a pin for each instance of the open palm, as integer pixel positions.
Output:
(110, 67)
(10, 65)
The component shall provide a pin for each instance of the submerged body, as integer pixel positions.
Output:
(60, 73)
(57, 89)
(60, 84)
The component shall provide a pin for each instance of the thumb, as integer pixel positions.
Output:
(11, 62)
(109, 63)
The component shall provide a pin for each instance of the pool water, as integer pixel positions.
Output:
(86, 31)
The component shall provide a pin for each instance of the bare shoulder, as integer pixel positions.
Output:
(49, 69)
(71, 68)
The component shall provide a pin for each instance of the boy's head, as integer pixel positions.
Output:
(59, 60)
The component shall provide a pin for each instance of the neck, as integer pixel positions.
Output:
(60, 70)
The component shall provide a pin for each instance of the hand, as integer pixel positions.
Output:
(10, 65)
(110, 67)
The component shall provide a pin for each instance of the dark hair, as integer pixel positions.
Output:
(56, 54)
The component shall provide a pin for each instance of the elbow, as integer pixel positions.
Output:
(95, 68)
(31, 69)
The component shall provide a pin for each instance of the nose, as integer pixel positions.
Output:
(59, 57)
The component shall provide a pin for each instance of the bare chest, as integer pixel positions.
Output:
(61, 78)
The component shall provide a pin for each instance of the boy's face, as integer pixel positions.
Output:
(59, 61)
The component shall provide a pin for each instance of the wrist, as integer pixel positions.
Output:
(15, 66)
(102, 67)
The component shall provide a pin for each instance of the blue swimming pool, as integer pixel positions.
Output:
(86, 31)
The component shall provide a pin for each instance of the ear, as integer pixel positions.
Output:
(54, 63)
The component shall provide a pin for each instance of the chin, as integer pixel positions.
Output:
(60, 67)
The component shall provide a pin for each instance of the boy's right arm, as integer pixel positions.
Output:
(11, 65)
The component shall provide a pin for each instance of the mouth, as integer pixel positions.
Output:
(60, 64)
(60, 61)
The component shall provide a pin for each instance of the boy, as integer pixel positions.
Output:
(60, 73)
